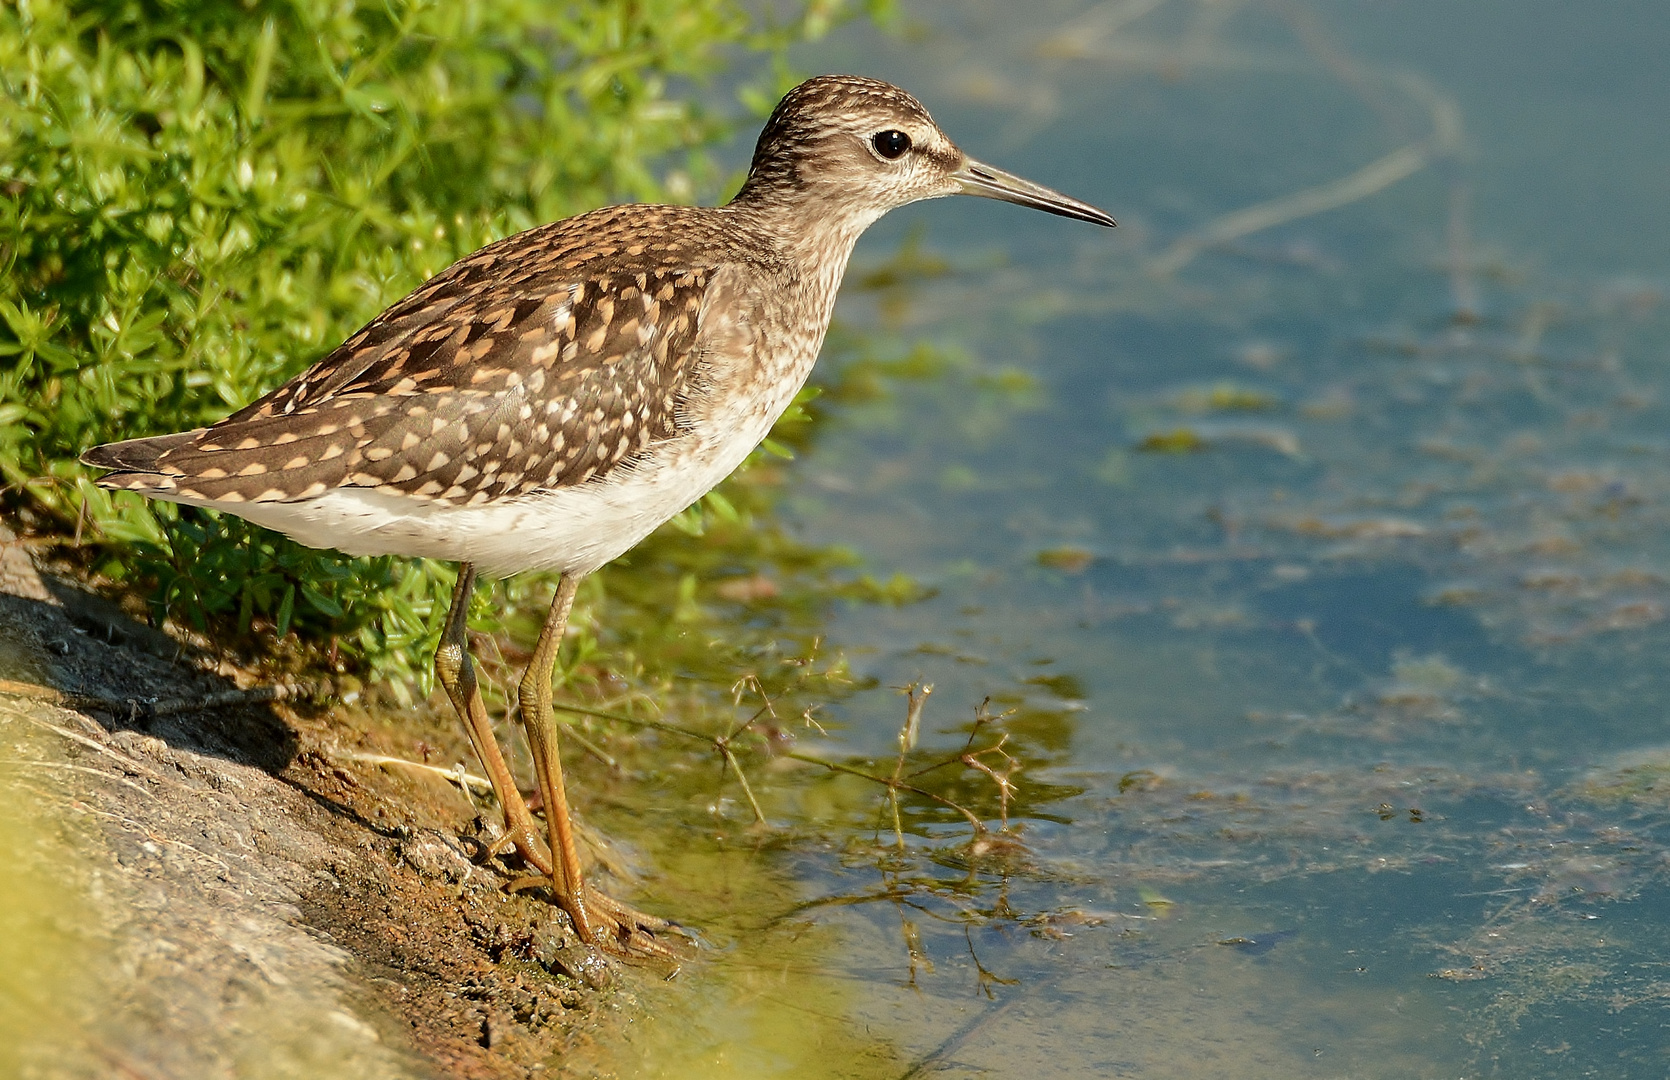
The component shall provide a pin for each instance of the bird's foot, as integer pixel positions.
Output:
(607, 924)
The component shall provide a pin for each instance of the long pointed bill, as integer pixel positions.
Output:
(978, 179)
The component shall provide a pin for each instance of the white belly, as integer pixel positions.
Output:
(574, 529)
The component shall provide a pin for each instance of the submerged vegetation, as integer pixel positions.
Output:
(199, 199)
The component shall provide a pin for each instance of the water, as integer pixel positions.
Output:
(1315, 574)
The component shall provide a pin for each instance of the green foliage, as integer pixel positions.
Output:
(200, 197)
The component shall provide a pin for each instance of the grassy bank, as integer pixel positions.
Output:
(198, 199)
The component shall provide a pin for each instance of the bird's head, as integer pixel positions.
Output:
(854, 148)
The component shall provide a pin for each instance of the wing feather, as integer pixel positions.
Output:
(476, 387)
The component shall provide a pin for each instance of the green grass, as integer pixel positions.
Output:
(198, 198)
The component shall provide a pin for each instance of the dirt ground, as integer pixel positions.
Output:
(260, 895)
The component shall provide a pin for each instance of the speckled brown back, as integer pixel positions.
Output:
(541, 361)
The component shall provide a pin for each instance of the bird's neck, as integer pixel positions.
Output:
(814, 227)
(811, 241)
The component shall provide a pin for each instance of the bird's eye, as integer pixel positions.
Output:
(891, 144)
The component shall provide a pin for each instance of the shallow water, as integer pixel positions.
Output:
(1315, 574)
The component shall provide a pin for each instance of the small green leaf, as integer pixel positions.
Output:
(777, 449)
(286, 609)
(321, 603)
(722, 508)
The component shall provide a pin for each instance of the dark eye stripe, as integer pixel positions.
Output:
(891, 144)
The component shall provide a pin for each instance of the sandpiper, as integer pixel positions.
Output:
(546, 402)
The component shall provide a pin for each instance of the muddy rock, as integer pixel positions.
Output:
(209, 884)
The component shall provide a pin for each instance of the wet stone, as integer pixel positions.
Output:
(434, 858)
(571, 958)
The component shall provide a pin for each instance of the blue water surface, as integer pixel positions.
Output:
(1305, 536)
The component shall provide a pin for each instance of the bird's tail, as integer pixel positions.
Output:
(136, 461)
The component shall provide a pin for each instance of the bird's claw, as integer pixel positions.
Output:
(605, 923)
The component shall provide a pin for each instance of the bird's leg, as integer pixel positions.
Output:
(457, 675)
(598, 919)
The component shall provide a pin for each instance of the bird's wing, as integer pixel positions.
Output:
(490, 381)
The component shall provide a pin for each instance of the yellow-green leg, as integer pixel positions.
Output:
(598, 919)
(457, 675)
